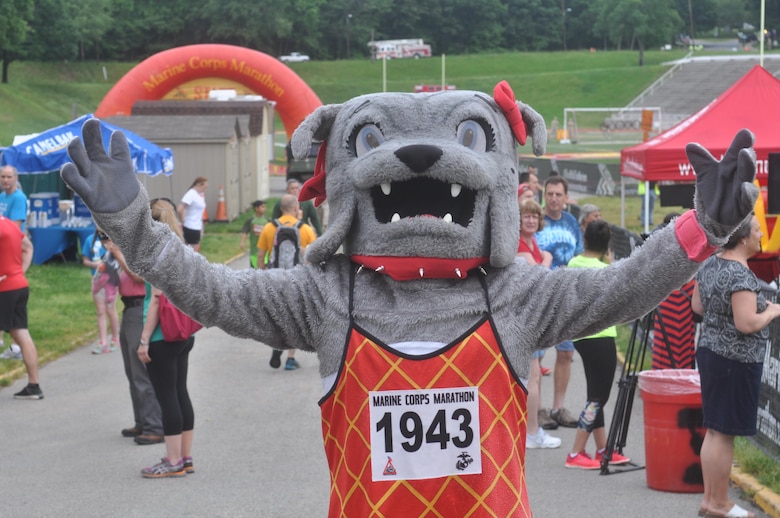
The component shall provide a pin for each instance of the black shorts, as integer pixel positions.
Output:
(13, 309)
(191, 236)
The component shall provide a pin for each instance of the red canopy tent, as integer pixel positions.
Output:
(752, 102)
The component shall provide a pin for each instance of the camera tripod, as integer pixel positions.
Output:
(618, 429)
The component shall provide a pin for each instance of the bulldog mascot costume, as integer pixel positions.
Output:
(424, 326)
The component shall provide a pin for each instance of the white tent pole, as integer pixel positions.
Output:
(622, 201)
(384, 73)
(646, 215)
(443, 71)
(762, 35)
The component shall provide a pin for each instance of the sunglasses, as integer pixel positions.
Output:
(103, 236)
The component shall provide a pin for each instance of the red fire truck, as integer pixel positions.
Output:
(395, 49)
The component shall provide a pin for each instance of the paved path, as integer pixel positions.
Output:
(258, 448)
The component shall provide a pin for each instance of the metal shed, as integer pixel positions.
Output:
(208, 146)
(256, 139)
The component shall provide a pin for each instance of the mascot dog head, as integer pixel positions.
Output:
(420, 185)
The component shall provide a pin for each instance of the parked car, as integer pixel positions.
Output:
(294, 57)
(301, 170)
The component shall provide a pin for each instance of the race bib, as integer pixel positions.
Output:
(420, 434)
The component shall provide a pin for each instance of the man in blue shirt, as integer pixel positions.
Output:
(13, 202)
(561, 237)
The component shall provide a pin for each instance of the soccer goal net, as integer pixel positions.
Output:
(613, 125)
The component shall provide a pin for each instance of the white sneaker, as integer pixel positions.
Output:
(12, 353)
(541, 440)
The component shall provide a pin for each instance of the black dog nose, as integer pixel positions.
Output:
(419, 157)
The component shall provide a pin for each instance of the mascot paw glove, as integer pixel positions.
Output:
(105, 181)
(725, 193)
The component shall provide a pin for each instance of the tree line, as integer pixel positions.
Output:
(132, 30)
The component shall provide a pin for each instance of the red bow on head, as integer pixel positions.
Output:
(314, 187)
(505, 98)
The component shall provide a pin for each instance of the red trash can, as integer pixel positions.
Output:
(673, 429)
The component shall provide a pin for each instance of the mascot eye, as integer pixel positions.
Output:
(472, 135)
(368, 137)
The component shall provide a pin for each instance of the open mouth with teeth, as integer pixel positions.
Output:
(423, 197)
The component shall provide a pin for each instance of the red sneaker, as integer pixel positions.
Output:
(582, 461)
(615, 458)
(545, 370)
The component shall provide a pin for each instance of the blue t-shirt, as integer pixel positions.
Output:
(561, 237)
(14, 206)
(93, 249)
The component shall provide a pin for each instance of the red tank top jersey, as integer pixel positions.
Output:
(368, 477)
(535, 252)
(11, 257)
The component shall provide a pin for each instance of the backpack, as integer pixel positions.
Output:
(286, 251)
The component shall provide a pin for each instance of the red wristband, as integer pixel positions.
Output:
(692, 238)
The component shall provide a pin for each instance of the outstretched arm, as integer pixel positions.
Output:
(577, 303)
(265, 306)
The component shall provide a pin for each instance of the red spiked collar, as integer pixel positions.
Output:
(410, 268)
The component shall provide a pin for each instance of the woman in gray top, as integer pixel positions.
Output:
(731, 352)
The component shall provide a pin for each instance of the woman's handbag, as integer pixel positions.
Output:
(175, 324)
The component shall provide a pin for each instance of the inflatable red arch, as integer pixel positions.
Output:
(163, 75)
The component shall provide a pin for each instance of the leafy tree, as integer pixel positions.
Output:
(90, 20)
(581, 16)
(482, 23)
(453, 26)
(303, 16)
(249, 24)
(141, 28)
(730, 13)
(642, 23)
(705, 15)
(331, 29)
(532, 25)
(14, 27)
(369, 20)
(51, 32)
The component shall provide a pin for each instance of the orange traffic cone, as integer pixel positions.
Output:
(221, 208)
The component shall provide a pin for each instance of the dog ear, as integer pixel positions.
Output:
(315, 127)
(537, 130)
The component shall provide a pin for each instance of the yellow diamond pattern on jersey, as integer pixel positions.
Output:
(474, 361)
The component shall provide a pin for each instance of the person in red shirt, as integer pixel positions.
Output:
(16, 252)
